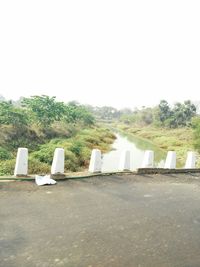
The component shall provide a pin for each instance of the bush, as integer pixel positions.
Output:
(37, 167)
(45, 154)
(76, 147)
(196, 133)
(13, 137)
(71, 162)
(7, 167)
(77, 152)
(34, 167)
(5, 154)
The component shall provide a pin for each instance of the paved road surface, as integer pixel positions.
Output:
(132, 220)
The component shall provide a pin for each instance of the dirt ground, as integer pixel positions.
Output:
(129, 220)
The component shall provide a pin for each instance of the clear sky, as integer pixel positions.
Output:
(101, 52)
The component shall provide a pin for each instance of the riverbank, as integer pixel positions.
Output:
(77, 151)
(179, 140)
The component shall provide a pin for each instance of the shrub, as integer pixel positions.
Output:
(71, 162)
(37, 167)
(5, 154)
(45, 154)
(7, 167)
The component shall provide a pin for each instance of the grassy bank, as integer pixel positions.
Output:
(179, 140)
(77, 151)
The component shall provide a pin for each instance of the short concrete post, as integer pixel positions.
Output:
(21, 165)
(58, 163)
(191, 160)
(125, 161)
(95, 161)
(170, 162)
(148, 160)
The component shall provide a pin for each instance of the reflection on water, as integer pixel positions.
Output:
(137, 147)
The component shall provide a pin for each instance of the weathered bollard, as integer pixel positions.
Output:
(95, 161)
(148, 160)
(191, 160)
(58, 163)
(170, 162)
(125, 161)
(21, 165)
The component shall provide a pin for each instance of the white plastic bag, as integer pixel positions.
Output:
(42, 180)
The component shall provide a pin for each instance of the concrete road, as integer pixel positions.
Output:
(109, 221)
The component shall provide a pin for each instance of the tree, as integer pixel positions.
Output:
(183, 113)
(10, 115)
(190, 110)
(44, 109)
(164, 111)
(75, 112)
(107, 113)
(180, 115)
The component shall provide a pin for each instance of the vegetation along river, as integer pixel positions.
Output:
(137, 147)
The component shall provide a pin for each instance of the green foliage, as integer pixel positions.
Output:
(141, 117)
(5, 154)
(34, 167)
(196, 132)
(45, 153)
(12, 137)
(179, 139)
(162, 115)
(7, 167)
(179, 116)
(37, 167)
(10, 115)
(77, 148)
(164, 111)
(42, 124)
(71, 162)
(75, 113)
(44, 109)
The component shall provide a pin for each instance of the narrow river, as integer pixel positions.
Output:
(137, 148)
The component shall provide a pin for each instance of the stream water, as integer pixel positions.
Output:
(137, 148)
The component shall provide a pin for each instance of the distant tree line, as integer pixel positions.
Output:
(163, 115)
(178, 116)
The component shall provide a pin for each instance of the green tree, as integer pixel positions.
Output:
(10, 115)
(164, 111)
(179, 116)
(75, 113)
(183, 113)
(44, 110)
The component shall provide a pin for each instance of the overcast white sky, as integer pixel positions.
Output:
(106, 52)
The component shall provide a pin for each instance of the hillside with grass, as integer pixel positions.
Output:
(41, 124)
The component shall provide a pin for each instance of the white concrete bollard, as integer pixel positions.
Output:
(95, 161)
(125, 161)
(191, 160)
(21, 165)
(170, 162)
(58, 163)
(148, 160)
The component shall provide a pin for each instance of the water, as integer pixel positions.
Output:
(137, 148)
